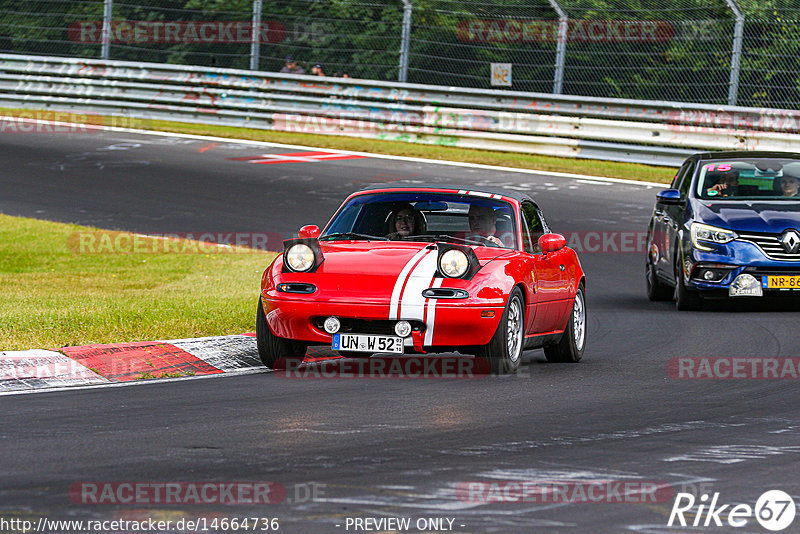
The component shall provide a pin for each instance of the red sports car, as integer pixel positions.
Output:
(416, 269)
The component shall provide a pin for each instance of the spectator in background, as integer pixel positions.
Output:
(316, 70)
(292, 67)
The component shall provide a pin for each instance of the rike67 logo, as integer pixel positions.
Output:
(774, 510)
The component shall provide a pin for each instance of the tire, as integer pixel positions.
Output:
(272, 348)
(656, 289)
(686, 299)
(504, 350)
(573, 342)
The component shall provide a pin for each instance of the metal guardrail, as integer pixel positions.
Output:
(621, 130)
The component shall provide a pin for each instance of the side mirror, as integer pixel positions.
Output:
(310, 231)
(669, 196)
(552, 242)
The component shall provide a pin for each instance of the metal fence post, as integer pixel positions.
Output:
(561, 46)
(405, 41)
(105, 37)
(736, 54)
(255, 43)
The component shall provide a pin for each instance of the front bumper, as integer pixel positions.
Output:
(446, 324)
(734, 259)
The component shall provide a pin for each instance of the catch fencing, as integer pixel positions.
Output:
(734, 52)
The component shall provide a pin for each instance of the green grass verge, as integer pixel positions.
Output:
(630, 171)
(58, 290)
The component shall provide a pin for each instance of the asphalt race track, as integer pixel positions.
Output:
(372, 448)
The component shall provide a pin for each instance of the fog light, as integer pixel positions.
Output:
(746, 285)
(332, 325)
(709, 275)
(402, 328)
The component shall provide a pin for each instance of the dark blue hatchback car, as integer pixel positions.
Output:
(728, 227)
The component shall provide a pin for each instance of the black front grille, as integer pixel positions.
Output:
(363, 326)
(770, 245)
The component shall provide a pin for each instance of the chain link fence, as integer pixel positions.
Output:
(705, 51)
(770, 54)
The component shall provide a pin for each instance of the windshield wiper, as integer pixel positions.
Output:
(441, 237)
(352, 235)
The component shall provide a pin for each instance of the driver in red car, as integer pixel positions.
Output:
(483, 222)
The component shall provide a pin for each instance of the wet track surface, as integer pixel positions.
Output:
(397, 447)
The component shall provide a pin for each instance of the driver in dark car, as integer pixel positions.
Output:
(726, 183)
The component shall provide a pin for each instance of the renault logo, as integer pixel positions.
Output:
(790, 241)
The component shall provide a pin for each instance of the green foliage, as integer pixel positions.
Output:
(54, 291)
(692, 62)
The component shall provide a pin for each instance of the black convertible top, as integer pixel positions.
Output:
(517, 195)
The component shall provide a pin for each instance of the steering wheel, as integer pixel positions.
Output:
(486, 240)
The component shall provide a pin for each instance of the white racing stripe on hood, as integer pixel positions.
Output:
(401, 280)
(429, 320)
(412, 303)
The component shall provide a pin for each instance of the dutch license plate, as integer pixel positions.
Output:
(783, 282)
(367, 343)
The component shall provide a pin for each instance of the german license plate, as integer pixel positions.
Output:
(367, 343)
(783, 282)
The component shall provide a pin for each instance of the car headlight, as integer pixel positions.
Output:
(705, 233)
(454, 263)
(300, 257)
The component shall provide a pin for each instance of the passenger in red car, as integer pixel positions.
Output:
(405, 221)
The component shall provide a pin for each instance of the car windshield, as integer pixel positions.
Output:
(749, 178)
(419, 216)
